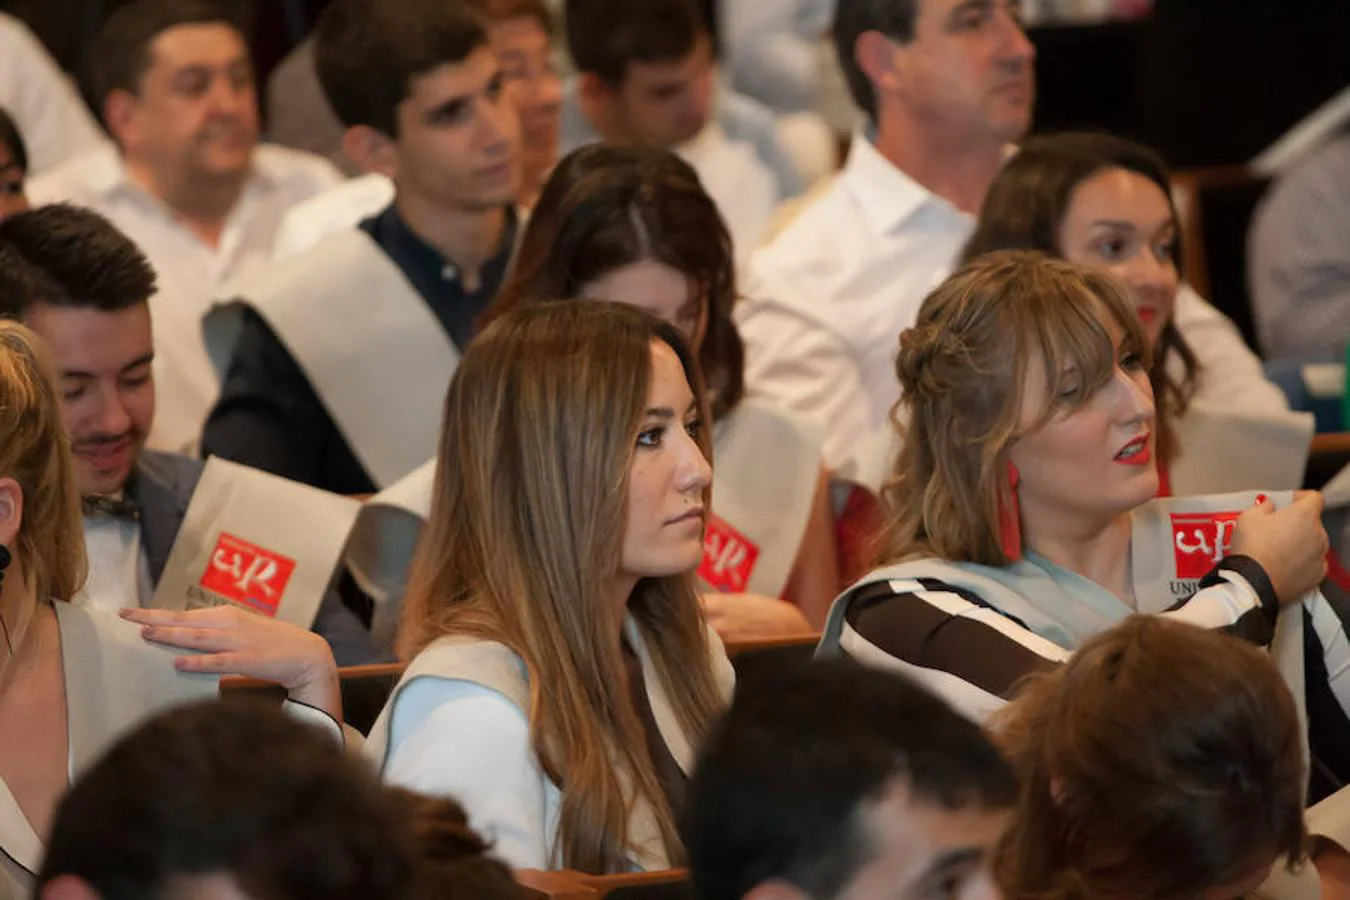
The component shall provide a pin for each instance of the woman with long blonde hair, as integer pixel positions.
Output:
(561, 669)
(72, 680)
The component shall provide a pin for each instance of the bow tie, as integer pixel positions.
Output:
(99, 506)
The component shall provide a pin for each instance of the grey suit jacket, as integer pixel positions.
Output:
(162, 485)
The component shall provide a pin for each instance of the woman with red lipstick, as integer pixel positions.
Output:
(561, 671)
(1105, 202)
(1022, 498)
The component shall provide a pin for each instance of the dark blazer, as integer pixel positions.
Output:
(162, 485)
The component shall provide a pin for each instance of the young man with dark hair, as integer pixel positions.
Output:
(320, 383)
(521, 33)
(229, 799)
(837, 781)
(647, 73)
(84, 288)
(187, 180)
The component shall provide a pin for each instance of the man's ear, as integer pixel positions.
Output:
(596, 89)
(372, 150)
(775, 889)
(880, 59)
(68, 887)
(119, 109)
(11, 511)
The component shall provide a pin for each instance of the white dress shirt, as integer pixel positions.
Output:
(119, 573)
(190, 272)
(825, 302)
(52, 118)
(339, 208)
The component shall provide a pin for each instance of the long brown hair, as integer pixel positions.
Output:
(36, 454)
(1163, 759)
(524, 538)
(962, 368)
(606, 206)
(1025, 208)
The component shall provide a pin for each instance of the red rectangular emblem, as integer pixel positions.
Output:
(247, 575)
(1200, 540)
(728, 557)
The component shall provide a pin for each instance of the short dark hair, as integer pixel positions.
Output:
(13, 140)
(121, 55)
(604, 36)
(608, 205)
(72, 257)
(893, 18)
(239, 788)
(780, 782)
(367, 53)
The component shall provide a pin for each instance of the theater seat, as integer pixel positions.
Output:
(672, 884)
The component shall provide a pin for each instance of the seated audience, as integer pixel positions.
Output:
(1162, 761)
(521, 34)
(647, 74)
(232, 800)
(835, 781)
(84, 289)
(633, 225)
(1299, 266)
(13, 167)
(1104, 202)
(186, 180)
(561, 670)
(1023, 495)
(309, 365)
(42, 100)
(72, 679)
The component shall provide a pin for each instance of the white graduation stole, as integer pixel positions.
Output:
(765, 469)
(1224, 449)
(370, 346)
(258, 541)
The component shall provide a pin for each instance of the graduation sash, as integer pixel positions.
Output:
(373, 351)
(258, 541)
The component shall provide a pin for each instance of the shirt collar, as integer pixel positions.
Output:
(403, 243)
(888, 196)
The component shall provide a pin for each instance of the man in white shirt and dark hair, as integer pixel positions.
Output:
(43, 101)
(186, 181)
(947, 86)
(647, 73)
(84, 288)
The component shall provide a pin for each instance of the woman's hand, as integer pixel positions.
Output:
(1290, 543)
(232, 641)
(742, 617)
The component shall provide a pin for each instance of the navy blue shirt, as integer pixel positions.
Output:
(269, 416)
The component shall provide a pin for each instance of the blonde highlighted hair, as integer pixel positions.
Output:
(1163, 759)
(35, 453)
(963, 369)
(524, 542)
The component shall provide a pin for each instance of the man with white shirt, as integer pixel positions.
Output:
(335, 361)
(647, 74)
(84, 288)
(187, 180)
(947, 86)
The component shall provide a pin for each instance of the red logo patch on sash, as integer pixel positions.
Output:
(1200, 540)
(247, 575)
(728, 557)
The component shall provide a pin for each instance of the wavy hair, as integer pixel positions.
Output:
(962, 371)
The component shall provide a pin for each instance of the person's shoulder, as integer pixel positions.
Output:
(296, 169)
(82, 179)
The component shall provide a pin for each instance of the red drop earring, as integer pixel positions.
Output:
(1010, 518)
